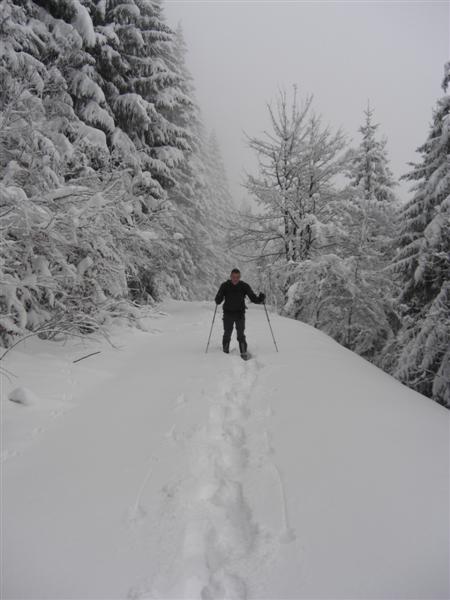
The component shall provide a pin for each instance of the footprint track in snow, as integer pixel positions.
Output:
(222, 546)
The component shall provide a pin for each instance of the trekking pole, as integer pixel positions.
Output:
(267, 315)
(212, 324)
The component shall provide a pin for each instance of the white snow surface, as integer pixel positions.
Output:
(159, 471)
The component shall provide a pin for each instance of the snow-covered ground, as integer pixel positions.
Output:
(158, 471)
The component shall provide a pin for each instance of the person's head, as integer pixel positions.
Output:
(235, 275)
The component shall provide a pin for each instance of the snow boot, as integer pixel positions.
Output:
(243, 349)
(226, 347)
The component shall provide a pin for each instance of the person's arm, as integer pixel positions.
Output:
(253, 297)
(220, 294)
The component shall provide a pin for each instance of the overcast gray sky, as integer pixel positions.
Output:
(344, 53)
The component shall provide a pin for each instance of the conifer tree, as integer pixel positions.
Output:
(105, 192)
(422, 263)
(370, 315)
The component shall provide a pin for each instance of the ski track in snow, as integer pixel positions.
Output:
(210, 543)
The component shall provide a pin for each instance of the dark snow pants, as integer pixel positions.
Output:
(230, 319)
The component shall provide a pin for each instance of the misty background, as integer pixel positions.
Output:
(344, 53)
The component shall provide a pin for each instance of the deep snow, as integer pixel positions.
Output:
(159, 471)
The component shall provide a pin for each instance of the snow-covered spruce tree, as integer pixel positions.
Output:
(222, 216)
(64, 248)
(373, 180)
(143, 86)
(200, 211)
(119, 79)
(197, 253)
(68, 45)
(136, 76)
(33, 150)
(369, 167)
(90, 220)
(142, 63)
(422, 263)
(369, 311)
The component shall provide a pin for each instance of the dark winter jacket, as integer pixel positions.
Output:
(234, 296)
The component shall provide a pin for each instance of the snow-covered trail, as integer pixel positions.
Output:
(168, 473)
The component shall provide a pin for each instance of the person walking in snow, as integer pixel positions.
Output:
(233, 290)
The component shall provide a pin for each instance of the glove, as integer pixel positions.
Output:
(262, 297)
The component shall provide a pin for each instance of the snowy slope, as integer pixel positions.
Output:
(159, 471)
